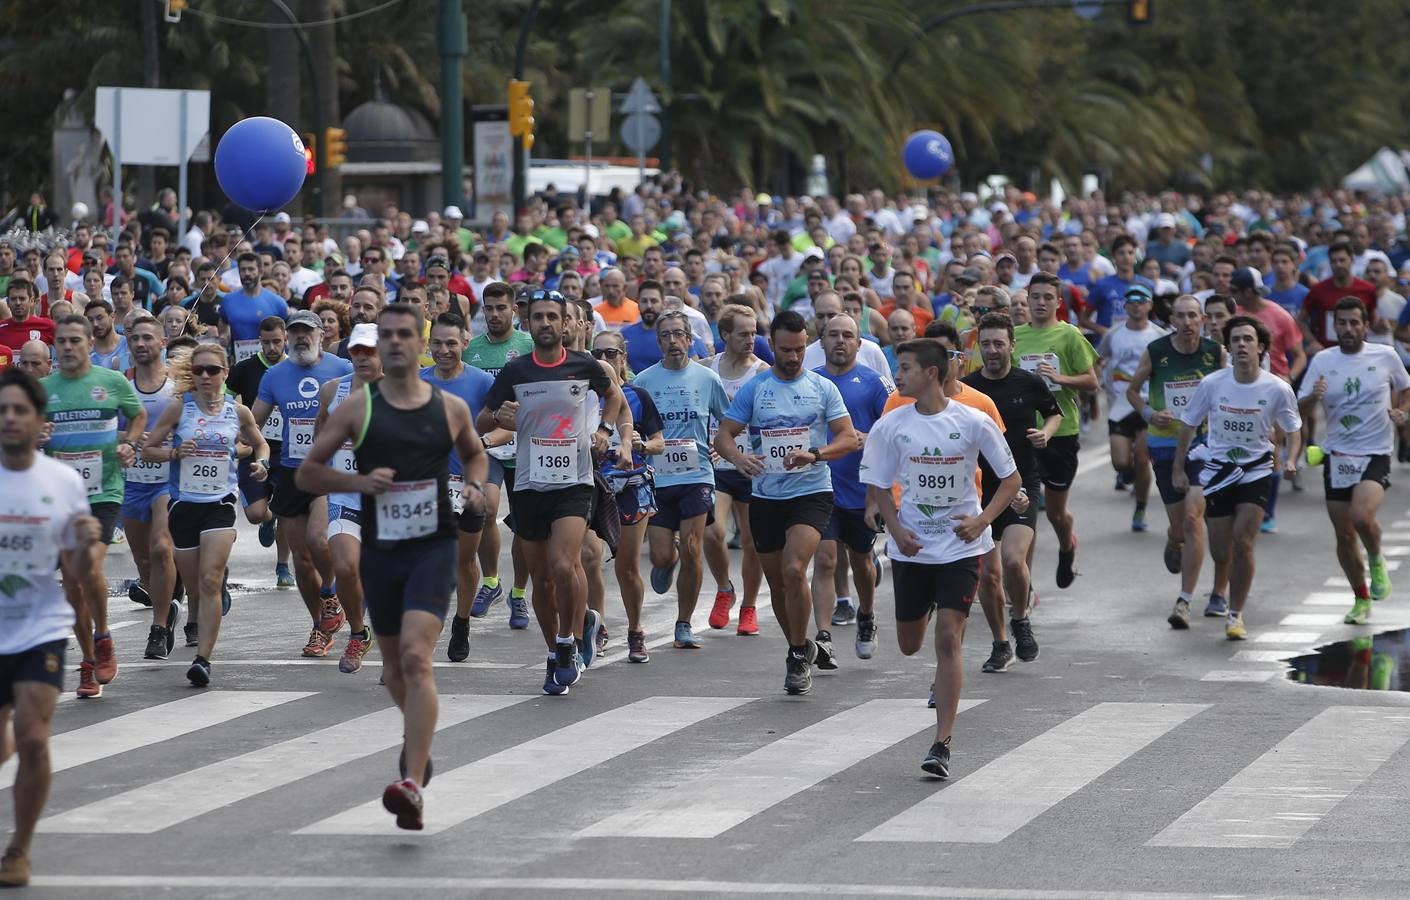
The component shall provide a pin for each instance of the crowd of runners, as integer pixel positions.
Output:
(792, 378)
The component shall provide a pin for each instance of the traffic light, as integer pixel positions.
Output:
(310, 152)
(521, 112)
(1139, 12)
(335, 146)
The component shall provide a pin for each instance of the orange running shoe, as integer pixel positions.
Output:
(88, 685)
(331, 617)
(105, 660)
(748, 620)
(724, 602)
(318, 643)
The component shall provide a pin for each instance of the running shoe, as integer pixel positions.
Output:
(403, 800)
(401, 764)
(1360, 612)
(359, 642)
(719, 613)
(266, 533)
(88, 685)
(485, 598)
(192, 632)
(200, 672)
(283, 578)
(1269, 526)
(1382, 666)
(1218, 605)
(662, 576)
(999, 659)
(318, 644)
(14, 868)
(844, 613)
(157, 646)
(551, 687)
(866, 636)
(592, 624)
(518, 612)
(636, 647)
(930, 704)
(799, 674)
(826, 659)
(1173, 554)
(331, 616)
(1120, 482)
(937, 761)
(458, 648)
(225, 598)
(1380, 580)
(685, 639)
(1179, 617)
(1025, 645)
(748, 621)
(105, 667)
(1234, 627)
(119, 536)
(1065, 572)
(137, 593)
(1138, 521)
(568, 664)
(173, 615)
(602, 638)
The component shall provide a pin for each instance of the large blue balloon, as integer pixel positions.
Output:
(928, 155)
(260, 163)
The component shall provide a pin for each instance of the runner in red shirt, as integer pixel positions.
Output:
(1319, 306)
(23, 325)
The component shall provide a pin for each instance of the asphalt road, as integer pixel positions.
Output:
(1127, 761)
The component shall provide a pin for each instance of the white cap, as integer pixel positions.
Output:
(420, 227)
(920, 213)
(590, 230)
(283, 218)
(452, 212)
(364, 334)
(1165, 220)
(814, 253)
(998, 208)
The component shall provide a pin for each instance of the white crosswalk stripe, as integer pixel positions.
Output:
(720, 800)
(183, 797)
(464, 793)
(155, 725)
(1034, 777)
(1278, 797)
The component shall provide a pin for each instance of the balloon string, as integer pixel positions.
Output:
(245, 235)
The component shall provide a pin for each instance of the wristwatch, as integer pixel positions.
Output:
(817, 454)
(607, 428)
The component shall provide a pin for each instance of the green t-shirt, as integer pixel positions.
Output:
(85, 415)
(1181, 373)
(516, 243)
(618, 230)
(1064, 346)
(491, 356)
(556, 238)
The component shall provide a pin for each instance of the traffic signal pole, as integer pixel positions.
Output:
(520, 188)
(452, 40)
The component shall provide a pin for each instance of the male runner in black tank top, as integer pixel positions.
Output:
(403, 430)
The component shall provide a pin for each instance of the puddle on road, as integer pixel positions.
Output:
(1369, 663)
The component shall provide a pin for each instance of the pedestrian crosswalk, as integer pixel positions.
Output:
(1302, 772)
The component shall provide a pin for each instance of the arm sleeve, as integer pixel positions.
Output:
(833, 407)
(1289, 419)
(1198, 410)
(128, 401)
(1043, 399)
(879, 458)
(1399, 378)
(995, 450)
(1314, 369)
(499, 392)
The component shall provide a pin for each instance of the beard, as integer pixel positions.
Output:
(303, 357)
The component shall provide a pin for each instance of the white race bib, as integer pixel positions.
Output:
(273, 429)
(1029, 362)
(89, 466)
(1241, 428)
(681, 457)
(1178, 395)
(779, 442)
(937, 480)
(454, 486)
(144, 472)
(741, 443)
(1347, 470)
(245, 349)
(26, 547)
(300, 438)
(553, 460)
(505, 452)
(344, 460)
(206, 472)
(407, 510)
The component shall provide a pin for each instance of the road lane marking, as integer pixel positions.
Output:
(1238, 675)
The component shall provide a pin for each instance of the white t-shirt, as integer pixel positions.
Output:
(37, 508)
(1359, 390)
(780, 271)
(1242, 416)
(869, 355)
(934, 459)
(302, 280)
(1121, 349)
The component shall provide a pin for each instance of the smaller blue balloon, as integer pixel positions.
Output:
(260, 163)
(928, 155)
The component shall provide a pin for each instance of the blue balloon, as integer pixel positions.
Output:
(928, 155)
(260, 163)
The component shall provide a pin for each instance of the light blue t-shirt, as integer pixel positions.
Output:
(686, 399)
(783, 415)
(293, 390)
(471, 385)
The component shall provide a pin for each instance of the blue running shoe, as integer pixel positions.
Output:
(931, 702)
(685, 638)
(284, 579)
(550, 686)
(592, 624)
(661, 577)
(266, 533)
(224, 600)
(518, 612)
(485, 597)
(568, 665)
(1217, 605)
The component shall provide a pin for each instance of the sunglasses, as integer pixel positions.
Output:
(541, 294)
(207, 370)
(606, 353)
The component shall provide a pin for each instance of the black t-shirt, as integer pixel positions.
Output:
(1024, 401)
(207, 312)
(575, 366)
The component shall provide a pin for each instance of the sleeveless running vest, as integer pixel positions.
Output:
(210, 474)
(417, 444)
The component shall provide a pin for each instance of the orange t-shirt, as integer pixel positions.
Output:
(969, 397)
(922, 316)
(618, 316)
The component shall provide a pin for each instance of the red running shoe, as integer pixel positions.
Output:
(88, 685)
(403, 800)
(330, 617)
(719, 615)
(748, 620)
(104, 660)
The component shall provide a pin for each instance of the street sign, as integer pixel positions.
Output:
(640, 99)
(640, 132)
(154, 127)
(589, 109)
